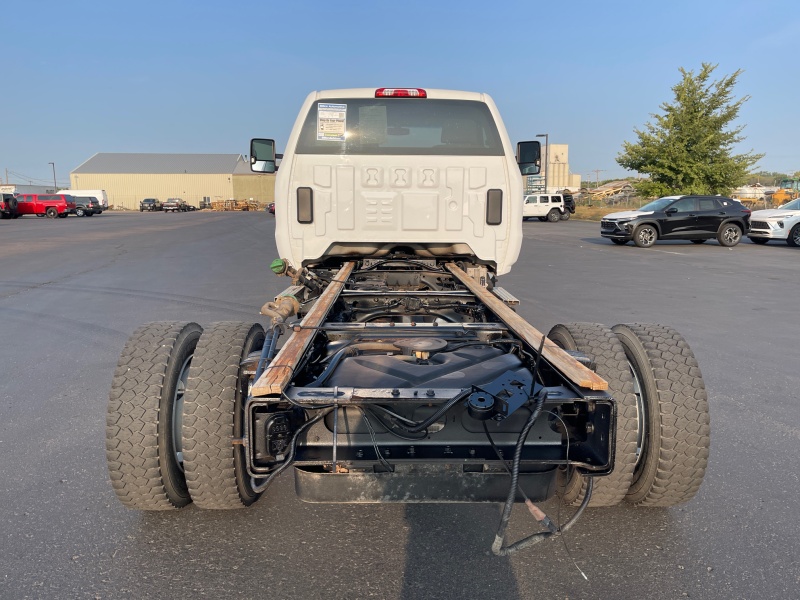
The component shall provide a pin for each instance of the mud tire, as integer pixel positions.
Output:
(213, 413)
(140, 446)
(602, 346)
(677, 426)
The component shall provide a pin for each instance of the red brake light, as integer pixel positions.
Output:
(400, 93)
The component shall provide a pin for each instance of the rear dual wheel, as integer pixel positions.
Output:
(660, 397)
(599, 342)
(144, 413)
(174, 411)
(673, 456)
(216, 470)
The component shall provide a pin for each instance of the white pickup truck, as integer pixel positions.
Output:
(404, 373)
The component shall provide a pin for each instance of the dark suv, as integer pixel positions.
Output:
(87, 206)
(694, 218)
(150, 204)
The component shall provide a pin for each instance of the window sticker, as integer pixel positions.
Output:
(331, 122)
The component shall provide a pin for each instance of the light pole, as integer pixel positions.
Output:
(546, 137)
(55, 185)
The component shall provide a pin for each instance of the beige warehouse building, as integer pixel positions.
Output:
(128, 178)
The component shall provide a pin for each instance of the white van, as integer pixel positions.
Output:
(546, 207)
(99, 194)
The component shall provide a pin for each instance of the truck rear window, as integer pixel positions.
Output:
(377, 126)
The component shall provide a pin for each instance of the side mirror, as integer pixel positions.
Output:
(529, 157)
(671, 211)
(262, 156)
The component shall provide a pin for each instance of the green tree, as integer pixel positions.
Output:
(689, 148)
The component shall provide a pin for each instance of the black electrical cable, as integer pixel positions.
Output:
(544, 535)
(268, 350)
(393, 414)
(383, 461)
(390, 428)
(502, 460)
(438, 414)
(497, 546)
(332, 364)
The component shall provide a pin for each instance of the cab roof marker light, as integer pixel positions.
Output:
(400, 93)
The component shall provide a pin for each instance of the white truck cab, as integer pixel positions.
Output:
(368, 170)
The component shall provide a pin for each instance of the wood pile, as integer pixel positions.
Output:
(248, 205)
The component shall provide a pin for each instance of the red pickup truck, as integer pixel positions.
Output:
(50, 205)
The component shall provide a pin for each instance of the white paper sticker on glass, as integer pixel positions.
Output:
(331, 122)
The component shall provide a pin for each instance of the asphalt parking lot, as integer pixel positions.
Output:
(73, 290)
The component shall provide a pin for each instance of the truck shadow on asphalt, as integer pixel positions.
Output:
(448, 553)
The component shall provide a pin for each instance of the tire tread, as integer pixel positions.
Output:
(133, 413)
(208, 417)
(685, 433)
(603, 346)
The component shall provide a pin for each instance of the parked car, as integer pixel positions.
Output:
(271, 208)
(150, 205)
(174, 205)
(49, 205)
(8, 206)
(87, 207)
(99, 195)
(546, 207)
(693, 218)
(782, 223)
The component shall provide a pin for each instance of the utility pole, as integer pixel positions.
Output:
(55, 185)
(597, 177)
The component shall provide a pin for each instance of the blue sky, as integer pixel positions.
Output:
(83, 77)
